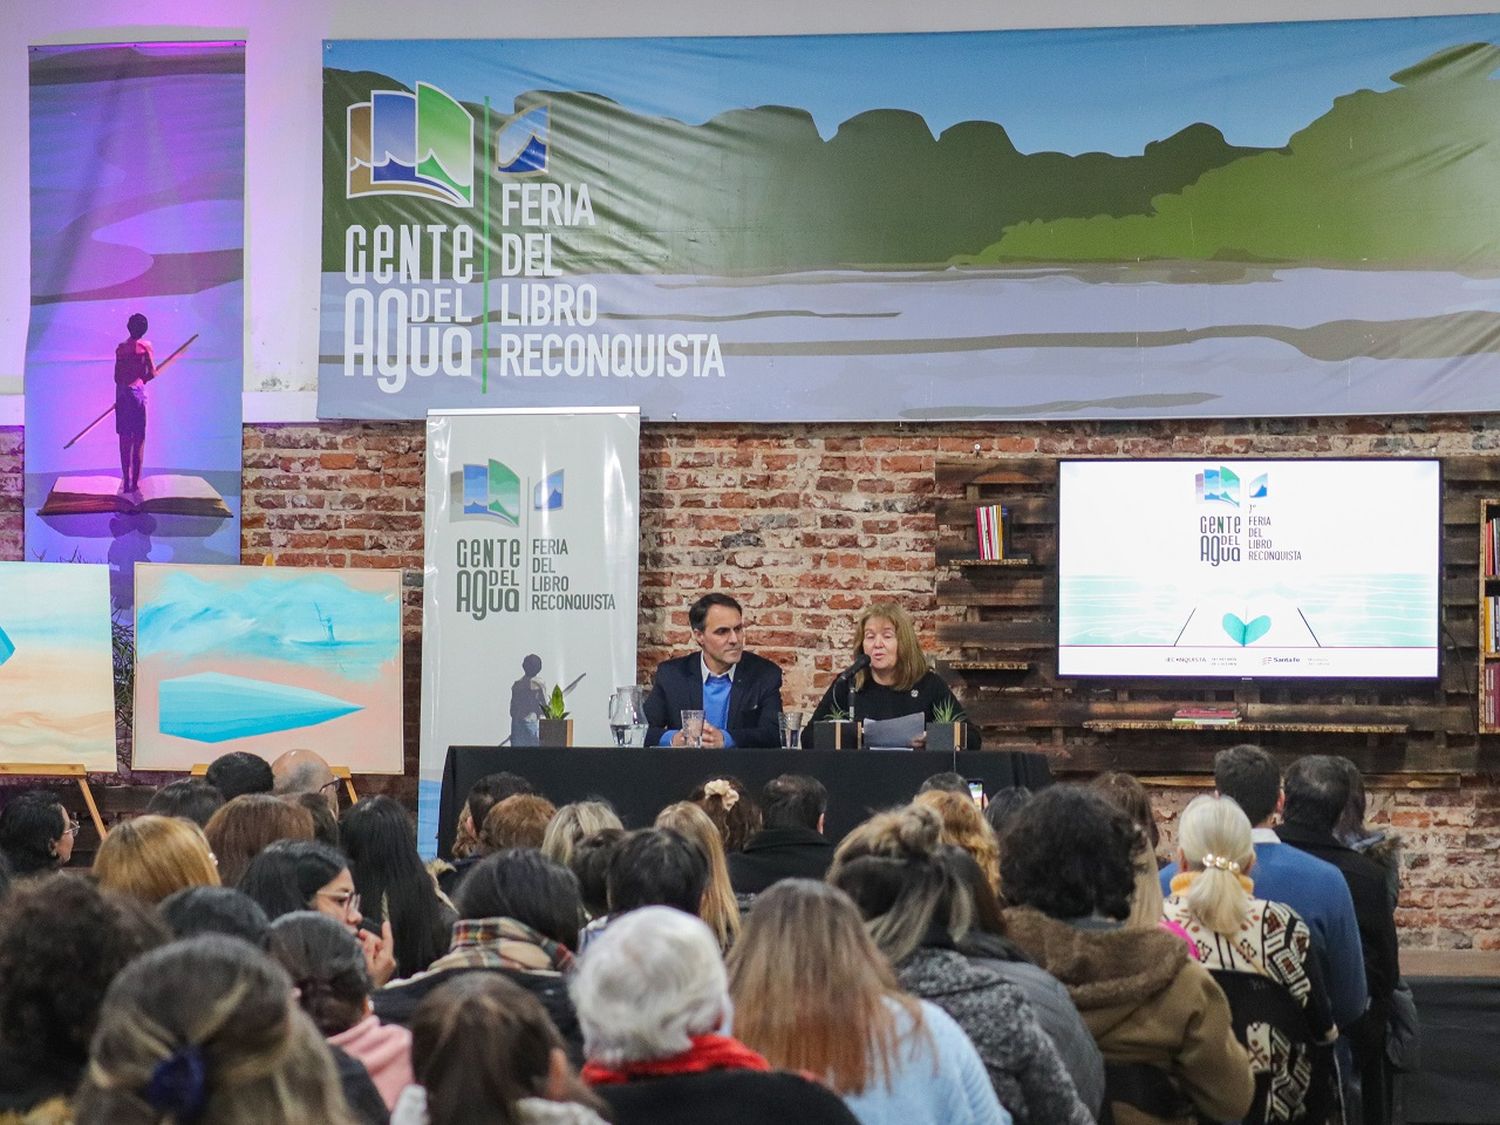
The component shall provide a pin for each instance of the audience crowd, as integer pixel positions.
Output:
(249, 951)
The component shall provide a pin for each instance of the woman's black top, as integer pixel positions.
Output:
(875, 701)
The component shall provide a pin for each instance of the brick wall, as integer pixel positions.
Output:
(807, 524)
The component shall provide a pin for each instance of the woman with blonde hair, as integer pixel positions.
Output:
(719, 907)
(964, 827)
(812, 994)
(897, 681)
(572, 823)
(151, 857)
(1213, 901)
(224, 1043)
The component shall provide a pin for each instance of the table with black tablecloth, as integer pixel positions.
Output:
(1458, 1007)
(640, 782)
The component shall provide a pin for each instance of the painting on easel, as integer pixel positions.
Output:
(267, 659)
(57, 684)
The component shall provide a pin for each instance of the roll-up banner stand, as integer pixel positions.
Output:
(532, 557)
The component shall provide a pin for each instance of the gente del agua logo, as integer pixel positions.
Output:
(491, 570)
(421, 144)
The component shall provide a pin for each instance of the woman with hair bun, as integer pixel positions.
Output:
(1213, 901)
(731, 808)
(224, 1043)
(918, 909)
(333, 986)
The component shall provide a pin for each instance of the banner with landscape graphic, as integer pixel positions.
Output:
(1270, 219)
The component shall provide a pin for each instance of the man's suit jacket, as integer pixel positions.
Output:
(754, 699)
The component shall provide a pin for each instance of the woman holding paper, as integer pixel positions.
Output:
(889, 679)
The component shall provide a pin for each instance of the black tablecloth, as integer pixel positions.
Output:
(641, 782)
(1459, 1082)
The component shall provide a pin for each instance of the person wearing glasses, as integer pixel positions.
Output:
(36, 833)
(304, 771)
(292, 875)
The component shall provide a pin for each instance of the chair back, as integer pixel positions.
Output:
(1295, 1076)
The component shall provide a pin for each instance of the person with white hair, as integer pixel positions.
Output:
(653, 1001)
(1213, 901)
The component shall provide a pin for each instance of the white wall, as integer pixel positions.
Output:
(283, 131)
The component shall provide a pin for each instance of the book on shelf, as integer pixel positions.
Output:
(1206, 716)
(992, 522)
(1491, 545)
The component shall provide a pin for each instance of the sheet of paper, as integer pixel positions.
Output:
(894, 734)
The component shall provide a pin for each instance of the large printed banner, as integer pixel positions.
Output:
(532, 554)
(137, 306)
(1243, 220)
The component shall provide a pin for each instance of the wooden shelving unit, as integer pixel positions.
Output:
(999, 637)
(1487, 682)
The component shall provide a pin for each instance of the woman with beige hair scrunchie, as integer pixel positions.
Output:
(1213, 901)
(732, 809)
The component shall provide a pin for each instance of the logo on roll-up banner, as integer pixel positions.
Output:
(497, 573)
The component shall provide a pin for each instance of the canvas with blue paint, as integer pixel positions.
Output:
(57, 686)
(268, 659)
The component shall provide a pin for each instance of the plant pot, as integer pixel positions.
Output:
(947, 738)
(555, 732)
(836, 734)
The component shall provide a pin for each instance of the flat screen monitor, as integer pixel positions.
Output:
(1254, 568)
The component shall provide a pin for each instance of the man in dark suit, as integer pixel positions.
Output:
(738, 692)
(1317, 788)
(792, 844)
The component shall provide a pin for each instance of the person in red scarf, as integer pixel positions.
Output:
(653, 1001)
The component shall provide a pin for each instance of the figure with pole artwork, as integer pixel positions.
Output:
(135, 366)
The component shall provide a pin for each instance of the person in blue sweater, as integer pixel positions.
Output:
(1313, 888)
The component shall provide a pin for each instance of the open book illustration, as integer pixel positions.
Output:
(1269, 621)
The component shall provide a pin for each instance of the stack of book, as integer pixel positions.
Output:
(1206, 717)
(1490, 614)
(1491, 545)
(992, 521)
(1489, 712)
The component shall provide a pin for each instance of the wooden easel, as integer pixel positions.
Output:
(44, 769)
(341, 773)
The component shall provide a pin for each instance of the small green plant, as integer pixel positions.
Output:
(555, 707)
(948, 711)
(837, 714)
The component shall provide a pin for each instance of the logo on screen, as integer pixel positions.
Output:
(524, 141)
(410, 144)
(1222, 485)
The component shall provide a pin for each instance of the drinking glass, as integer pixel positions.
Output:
(790, 723)
(692, 728)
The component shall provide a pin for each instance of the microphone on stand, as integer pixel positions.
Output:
(861, 662)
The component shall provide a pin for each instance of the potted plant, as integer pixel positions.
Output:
(554, 728)
(948, 730)
(837, 732)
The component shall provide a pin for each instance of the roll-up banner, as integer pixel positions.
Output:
(532, 552)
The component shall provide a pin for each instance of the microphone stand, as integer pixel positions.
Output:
(849, 693)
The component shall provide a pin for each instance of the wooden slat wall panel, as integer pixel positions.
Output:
(1010, 614)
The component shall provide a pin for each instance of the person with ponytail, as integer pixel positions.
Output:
(333, 986)
(919, 909)
(223, 1043)
(1213, 900)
